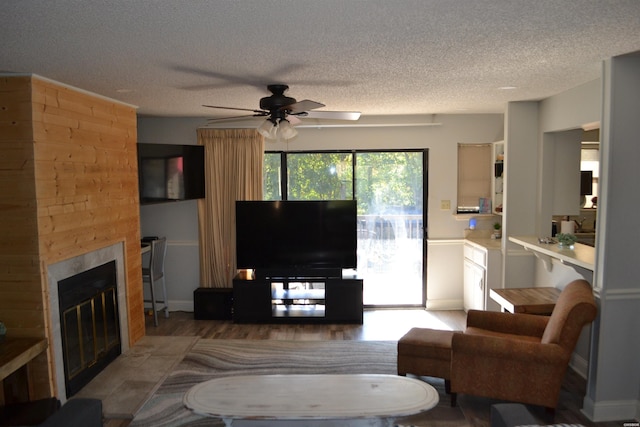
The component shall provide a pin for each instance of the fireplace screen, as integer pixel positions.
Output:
(89, 323)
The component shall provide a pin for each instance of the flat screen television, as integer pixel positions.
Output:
(170, 172)
(296, 238)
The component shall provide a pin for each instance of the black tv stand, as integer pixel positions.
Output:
(297, 299)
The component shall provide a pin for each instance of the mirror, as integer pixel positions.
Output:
(576, 199)
(589, 167)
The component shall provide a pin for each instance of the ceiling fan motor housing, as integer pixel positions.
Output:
(276, 101)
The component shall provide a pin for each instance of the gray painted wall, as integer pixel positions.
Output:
(178, 221)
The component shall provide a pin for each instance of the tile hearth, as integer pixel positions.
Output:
(135, 375)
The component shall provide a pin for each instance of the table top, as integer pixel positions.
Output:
(17, 352)
(297, 397)
(540, 300)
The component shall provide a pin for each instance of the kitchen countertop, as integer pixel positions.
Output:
(485, 242)
(582, 255)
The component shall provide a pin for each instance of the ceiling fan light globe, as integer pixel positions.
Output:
(286, 130)
(267, 129)
(290, 133)
(273, 132)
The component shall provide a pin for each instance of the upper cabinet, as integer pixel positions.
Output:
(497, 180)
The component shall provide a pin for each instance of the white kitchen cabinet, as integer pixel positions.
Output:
(482, 271)
(474, 283)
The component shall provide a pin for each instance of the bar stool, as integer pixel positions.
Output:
(155, 272)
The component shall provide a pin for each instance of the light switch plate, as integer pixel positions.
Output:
(445, 205)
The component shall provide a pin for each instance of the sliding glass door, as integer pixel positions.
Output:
(390, 194)
(389, 187)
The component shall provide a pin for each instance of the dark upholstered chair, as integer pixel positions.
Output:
(521, 357)
(77, 412)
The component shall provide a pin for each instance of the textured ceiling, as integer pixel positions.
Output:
(379, 57)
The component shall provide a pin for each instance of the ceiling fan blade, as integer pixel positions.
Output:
(257, 112)
(293, 120)
(334, 115)
(302, 106)
(219, 119)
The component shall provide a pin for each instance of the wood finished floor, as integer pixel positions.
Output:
(377, 325)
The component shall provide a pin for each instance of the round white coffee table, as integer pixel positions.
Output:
(311, 397)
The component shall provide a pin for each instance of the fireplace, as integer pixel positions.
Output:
(88, 306)
(87, 290)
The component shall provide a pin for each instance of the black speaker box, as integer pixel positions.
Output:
(213, 304)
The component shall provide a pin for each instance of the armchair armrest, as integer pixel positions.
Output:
(507, 323)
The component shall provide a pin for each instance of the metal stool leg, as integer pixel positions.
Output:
(153, 300)
(164, 298)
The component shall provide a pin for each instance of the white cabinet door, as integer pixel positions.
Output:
(474, 285)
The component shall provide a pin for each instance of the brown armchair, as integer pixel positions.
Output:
(521, 357)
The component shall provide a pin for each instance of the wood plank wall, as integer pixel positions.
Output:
(68, 186)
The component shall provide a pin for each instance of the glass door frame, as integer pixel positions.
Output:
(425, 191)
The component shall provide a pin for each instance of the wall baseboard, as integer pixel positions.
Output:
(181, 305)
(613, 410)
(445, 304)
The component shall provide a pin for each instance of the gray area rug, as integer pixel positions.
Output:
(210, 359)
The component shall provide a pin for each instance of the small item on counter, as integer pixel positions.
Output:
(566, 240)
(547, 240)
(567, 227)
(497, 231)
(3, 331)
(485, 205)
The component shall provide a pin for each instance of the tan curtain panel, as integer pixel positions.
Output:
(233, 171)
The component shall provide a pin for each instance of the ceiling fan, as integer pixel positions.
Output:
(282, 112)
